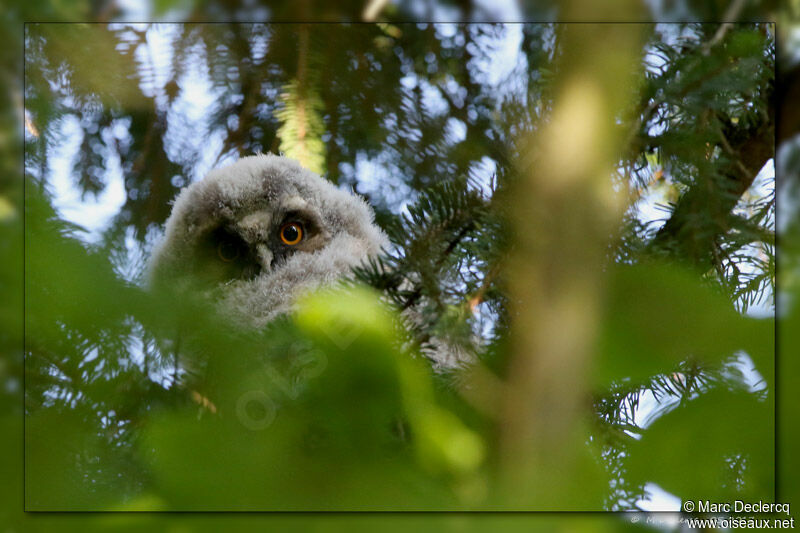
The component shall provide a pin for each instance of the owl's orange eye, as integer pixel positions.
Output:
(228, 251)
(291, 233)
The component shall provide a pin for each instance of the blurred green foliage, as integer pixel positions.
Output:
(141, 401)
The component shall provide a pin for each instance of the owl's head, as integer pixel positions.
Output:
(255, 234)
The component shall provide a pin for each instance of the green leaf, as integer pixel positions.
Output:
(659, 315)
(689, 450)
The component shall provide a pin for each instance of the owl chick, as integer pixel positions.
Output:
(260, 232)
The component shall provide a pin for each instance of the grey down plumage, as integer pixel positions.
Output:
(225, 234)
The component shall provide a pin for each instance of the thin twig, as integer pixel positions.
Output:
(373, 9)
(731, 16)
